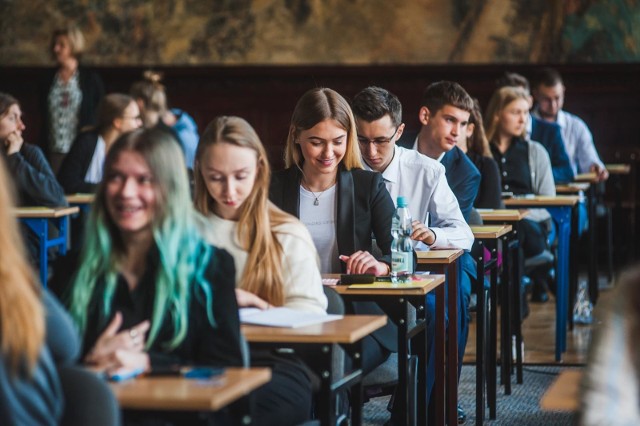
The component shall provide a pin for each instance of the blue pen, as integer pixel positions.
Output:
(201, 372)
(126, 375)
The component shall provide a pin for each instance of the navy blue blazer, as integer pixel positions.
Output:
(550, 136)
(364, 207)
(462, 175)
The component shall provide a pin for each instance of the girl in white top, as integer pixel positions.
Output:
(276, 260)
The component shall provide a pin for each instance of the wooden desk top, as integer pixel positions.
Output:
(543, 201)
(572, 188)
(503, 215)
(490, 231)
(564, 393)
(436, 280)
(80, 198)
(586, 177)
(178, 393)
(349, 329)
(618, 169)
(439, 256)
(44, 212)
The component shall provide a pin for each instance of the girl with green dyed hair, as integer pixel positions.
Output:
(148, 293)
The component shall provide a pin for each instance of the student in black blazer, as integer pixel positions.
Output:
(117, 114)
(341, 204)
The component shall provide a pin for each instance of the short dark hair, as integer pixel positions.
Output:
(374, 102)
(547, 77)
(442, 93)
(512, 79)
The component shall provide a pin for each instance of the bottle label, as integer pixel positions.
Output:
(401, 262)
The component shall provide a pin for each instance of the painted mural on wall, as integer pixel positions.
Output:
(285, 32)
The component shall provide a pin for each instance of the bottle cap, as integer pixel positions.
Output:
(402, 202)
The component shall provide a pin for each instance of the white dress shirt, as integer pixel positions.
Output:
(94, 172)
(422, 181)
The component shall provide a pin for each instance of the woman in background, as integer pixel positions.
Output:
(276, 261)
(73, 94)
(148, 293)
(152, 100)
(525, 169)
(81, 170)
(33, 179)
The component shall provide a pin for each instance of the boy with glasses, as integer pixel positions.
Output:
(438, 221)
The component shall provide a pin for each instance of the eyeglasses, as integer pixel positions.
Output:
(377, 141)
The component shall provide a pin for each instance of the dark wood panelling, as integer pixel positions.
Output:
(607, 97)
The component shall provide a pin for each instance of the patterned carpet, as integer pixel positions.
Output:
(521, 407)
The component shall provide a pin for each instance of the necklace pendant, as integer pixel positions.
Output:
(316, 202)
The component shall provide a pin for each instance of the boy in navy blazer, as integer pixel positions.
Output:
(444, 116)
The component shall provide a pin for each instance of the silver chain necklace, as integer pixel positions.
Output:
(316, 201)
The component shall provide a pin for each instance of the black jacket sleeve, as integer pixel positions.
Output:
(75, 165)
(490, 193)
(219, 345)
(382, 209)
(34, 179)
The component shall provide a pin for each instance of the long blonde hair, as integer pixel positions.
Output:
(317, 105)
(22, 328)
(499, 101)
(263, 275)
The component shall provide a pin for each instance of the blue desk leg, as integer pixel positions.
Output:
(562, 216)
(63, 223)
(41, 228)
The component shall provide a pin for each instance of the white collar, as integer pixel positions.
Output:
(390, 174)
(415, 146)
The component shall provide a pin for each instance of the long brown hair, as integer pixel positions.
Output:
(317, 105)
(22, 326)
(478, 142)
(263, 274)
(499, 101)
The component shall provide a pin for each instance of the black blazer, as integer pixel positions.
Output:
(75, 165)
(364, 207)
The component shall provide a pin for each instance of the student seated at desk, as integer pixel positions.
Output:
(81, 170)
(341, 204)
(30, 172)
(276, 261)
(438, 221)
(38, 342)
(525, 169)
(147, 291)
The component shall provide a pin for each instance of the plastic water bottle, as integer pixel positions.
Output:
(401, 247)
(582, 310)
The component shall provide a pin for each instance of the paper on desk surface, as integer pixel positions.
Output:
(283, 317)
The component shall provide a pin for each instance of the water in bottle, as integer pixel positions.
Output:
(401, 247)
